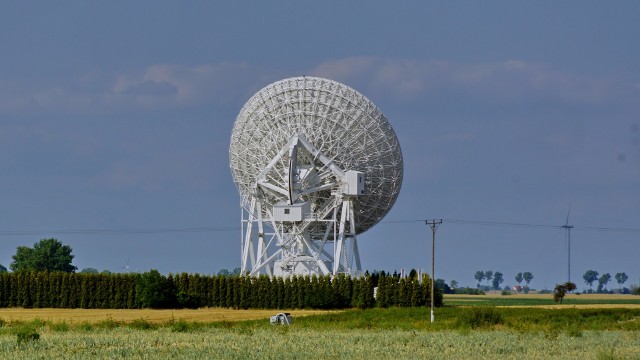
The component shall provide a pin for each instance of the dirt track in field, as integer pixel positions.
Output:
(77, 316)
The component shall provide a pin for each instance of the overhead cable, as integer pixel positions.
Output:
(125, 231)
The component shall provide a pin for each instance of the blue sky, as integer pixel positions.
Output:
(118, 116)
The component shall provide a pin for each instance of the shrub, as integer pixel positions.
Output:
(468, 291)
(480, 317)
(26, 333)
(59, 326)
(141, 324)
(183, 326)
(86, 326)
(109, 323)
(574, 331)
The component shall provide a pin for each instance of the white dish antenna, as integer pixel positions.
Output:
(316, 164)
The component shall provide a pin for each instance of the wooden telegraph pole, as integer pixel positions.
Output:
(433, 224)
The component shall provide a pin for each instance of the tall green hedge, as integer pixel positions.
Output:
(152, 289)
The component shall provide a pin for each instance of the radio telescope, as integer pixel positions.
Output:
(316, 164)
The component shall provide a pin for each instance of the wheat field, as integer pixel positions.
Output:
(75, 316)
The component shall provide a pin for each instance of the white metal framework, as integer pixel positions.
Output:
(316, 163)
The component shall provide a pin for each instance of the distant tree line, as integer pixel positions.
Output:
(31, 289)
(453, 288)
(44, 276)
(590, 276)
(494, 278)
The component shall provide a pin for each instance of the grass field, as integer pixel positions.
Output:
(546, 300)
(520, 326)
(294, 343)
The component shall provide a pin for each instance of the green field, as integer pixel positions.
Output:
(539, 300)
(301, 343)
(518, 328)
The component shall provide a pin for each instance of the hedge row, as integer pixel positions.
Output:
(68, 290)
(151, 289)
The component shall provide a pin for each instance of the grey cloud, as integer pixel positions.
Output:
(402, 80)
(151, 88)
(408, 80)
(219, 82)
(157, 86)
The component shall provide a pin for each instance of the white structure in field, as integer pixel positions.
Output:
(316, 164)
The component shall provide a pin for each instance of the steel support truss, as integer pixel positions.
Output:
(320, 241)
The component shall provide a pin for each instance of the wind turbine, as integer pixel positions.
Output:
(126, 267)
(567, 229)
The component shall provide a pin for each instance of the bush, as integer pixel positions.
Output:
(506, 292)
(27, 333)
(109, 324)
(141, 324)
(441, 285)
(184, 326)
(59, 326)
(86, 326)
(154, 291)
(480, 317)
(468, 291)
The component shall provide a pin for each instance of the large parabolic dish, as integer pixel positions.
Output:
(301, 143)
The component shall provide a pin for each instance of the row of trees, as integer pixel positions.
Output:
(590, 276)
(495, 279)
(31, 289)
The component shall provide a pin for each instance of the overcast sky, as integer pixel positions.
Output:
(118, 115)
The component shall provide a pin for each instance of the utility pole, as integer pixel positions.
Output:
(433, 224)
(568, 235)
(568, 228)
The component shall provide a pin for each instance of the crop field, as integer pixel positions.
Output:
(521, 326)
(92, 316)
(544, 300)
(294, 343)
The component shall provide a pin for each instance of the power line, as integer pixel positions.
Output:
(501, 223)
(126, 231)
(594, 228)
(118, 231)
(520, 225)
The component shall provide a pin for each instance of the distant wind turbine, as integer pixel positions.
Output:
(567, 229)
(126, 267)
